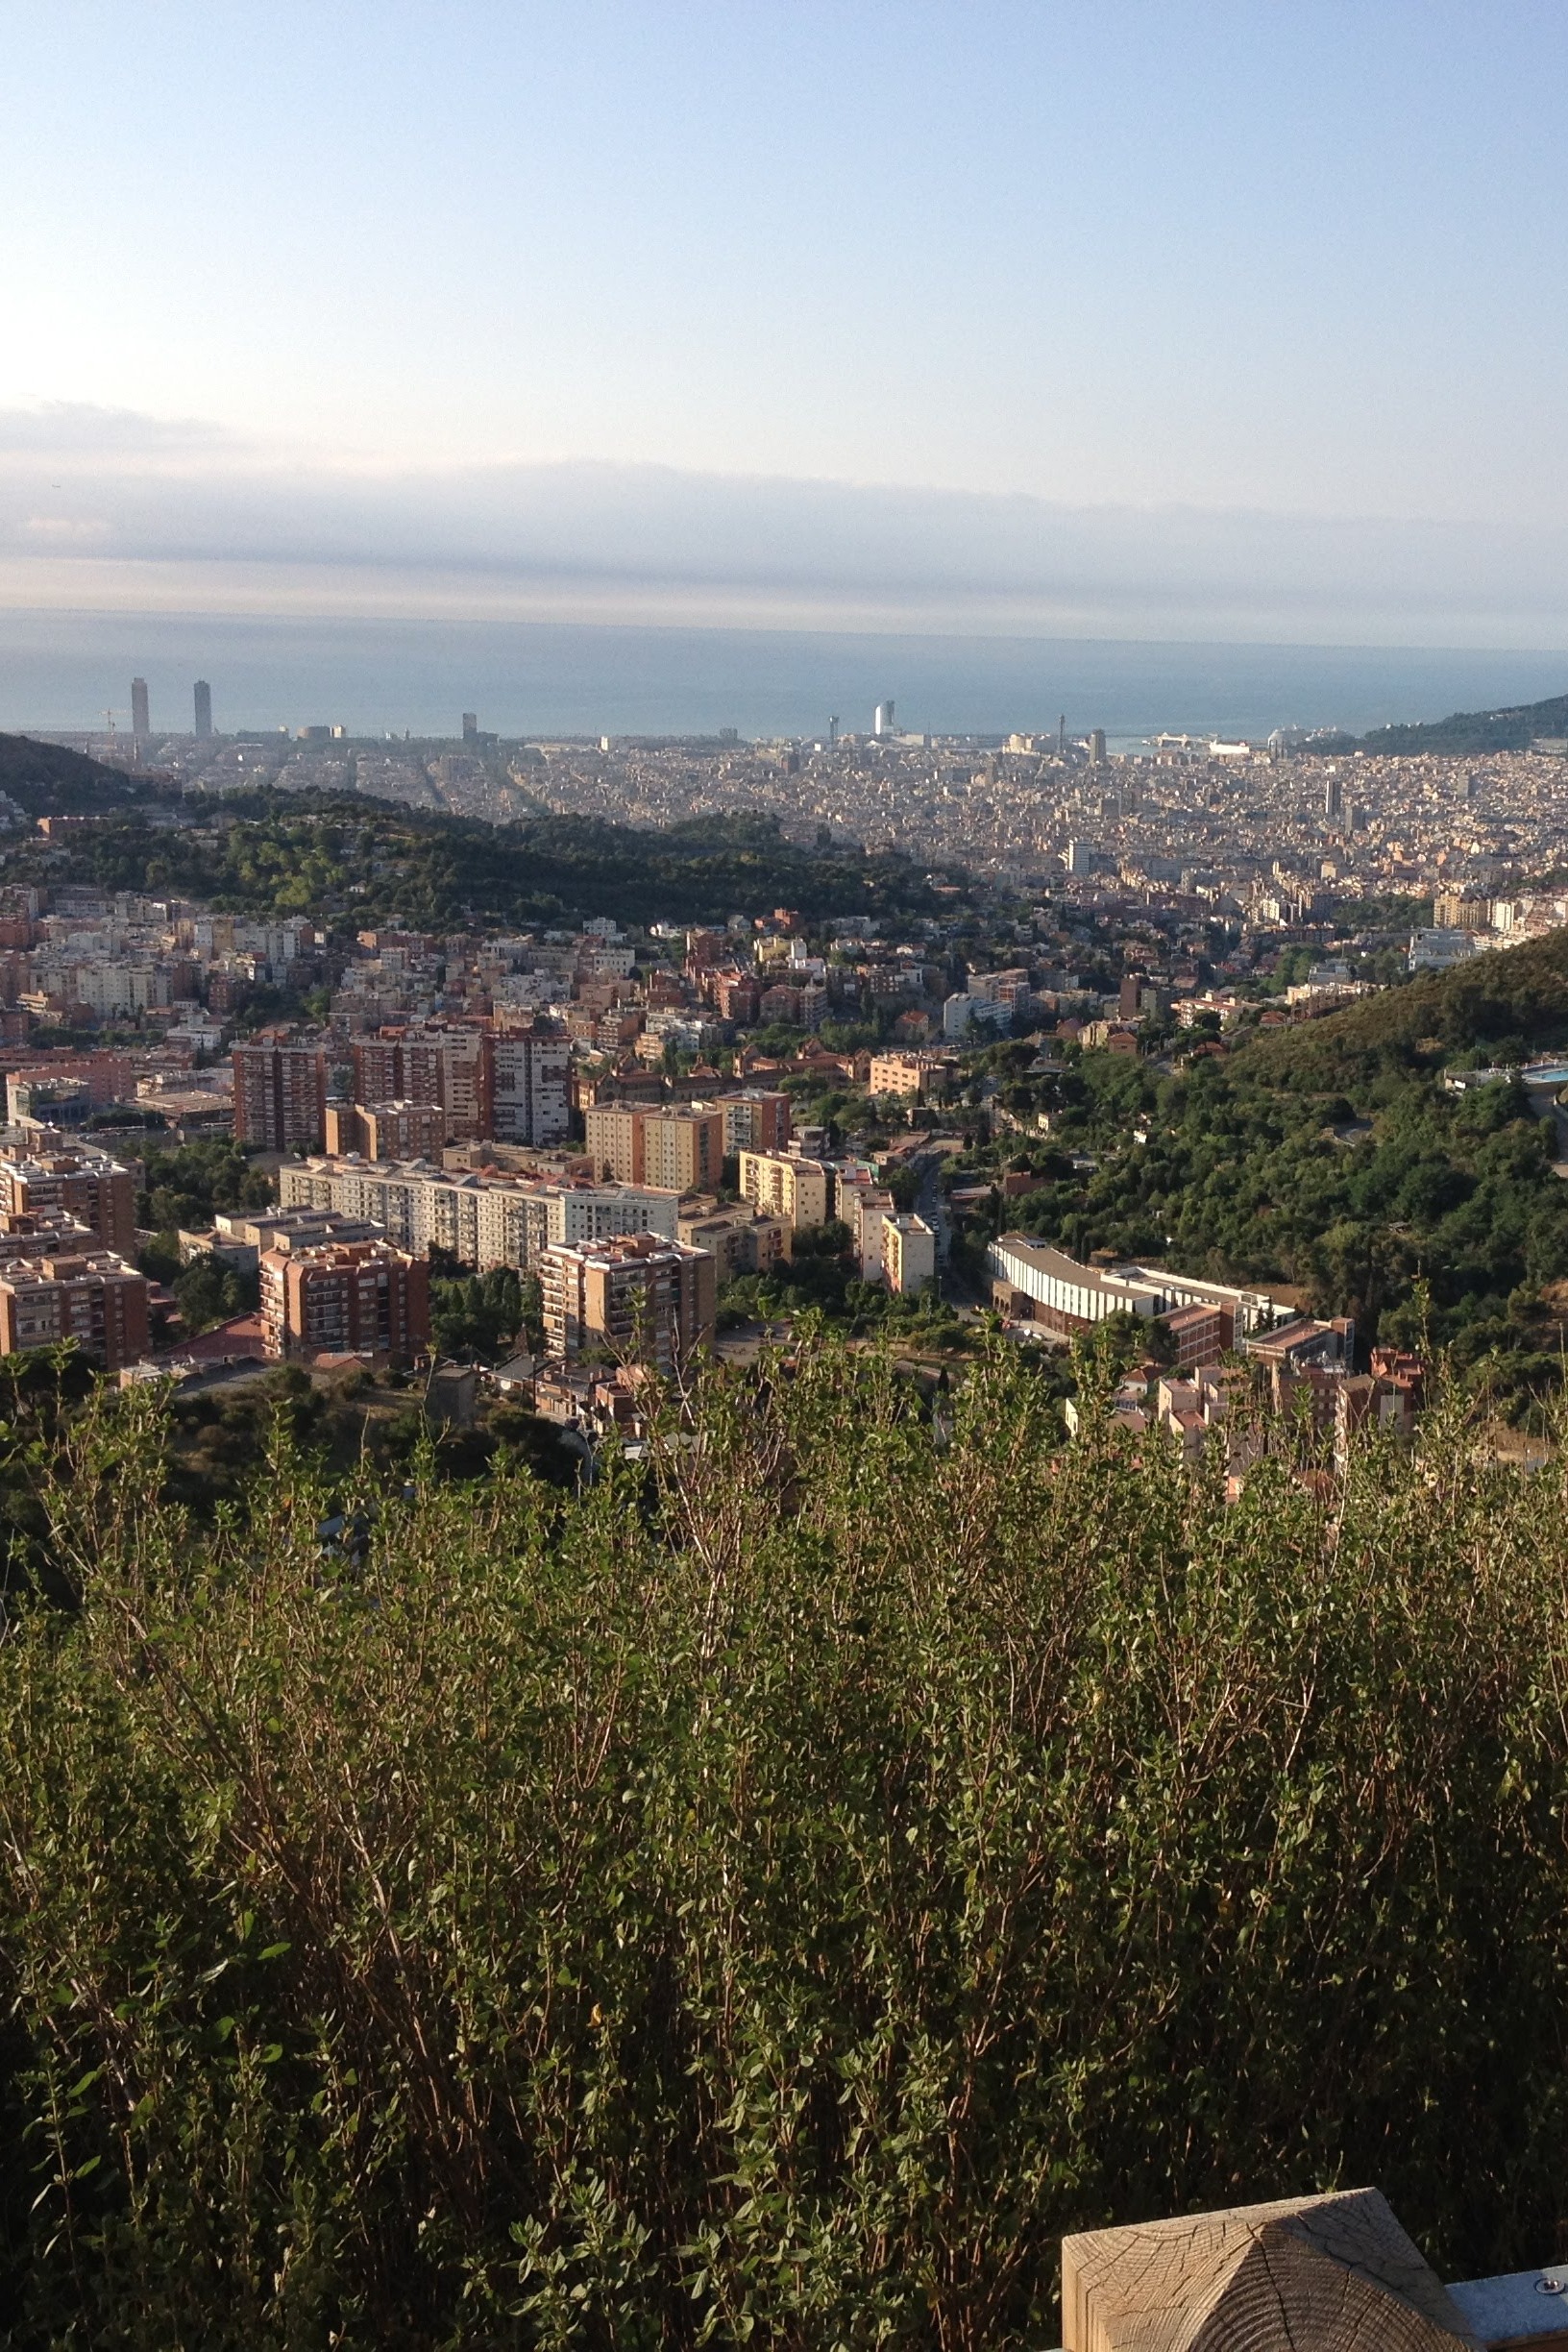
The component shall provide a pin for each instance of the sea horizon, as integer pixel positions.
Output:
(65, 672)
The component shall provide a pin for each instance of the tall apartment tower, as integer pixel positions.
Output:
(882, 723)
(203, 707)
(452, 1067)
(279, 1093)
(471, 725)
(140, 723)
(532, 1083)
(1334, 798)
(683, 1150)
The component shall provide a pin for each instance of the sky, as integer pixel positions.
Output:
(1145, 318)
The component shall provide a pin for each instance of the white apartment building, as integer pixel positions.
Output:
(532, 1088)
(863, 1205)
(909, 1255)
(483, 1220)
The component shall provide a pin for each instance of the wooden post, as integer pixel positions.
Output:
(1332, 2274)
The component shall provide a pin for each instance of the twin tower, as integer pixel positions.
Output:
(141, 725)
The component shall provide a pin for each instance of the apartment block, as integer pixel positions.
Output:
(98, 1079)
(738, 1240)
(51, 1236)
(736, 997)
(239, 1238)
(782, 1186)
(386, 1130)
(909, 1255)
(279, 1093)
(615, 1141)
(861, 1203)
(89, 1295)
(600, 1212)
(637, 1300)
(531, 1088)
(922, 1077)
(755, 1122)
(482, 1218)
(345, 1298)
(447, 1068)
(683, 1150)
(87, 1185)
(1201, 1335)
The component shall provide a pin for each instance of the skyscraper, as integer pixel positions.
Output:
(203, 707)
(1334, 798)
(882, 725)
(140, 723)
(471, 725)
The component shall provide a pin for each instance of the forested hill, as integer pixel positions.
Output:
(359, 858)
(1508, 1005)
(1496, 730)
(44, 777)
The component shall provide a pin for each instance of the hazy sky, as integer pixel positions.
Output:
(1207, 310)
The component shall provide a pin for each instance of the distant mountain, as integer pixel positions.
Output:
(44, 778)
(1496, 730)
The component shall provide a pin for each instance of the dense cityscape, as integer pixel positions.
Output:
(639, 1143)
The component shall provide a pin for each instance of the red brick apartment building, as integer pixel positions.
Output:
(280, 1093)
(89, 1295)
(94, 1189)
(343, 1298)
(634, 1299)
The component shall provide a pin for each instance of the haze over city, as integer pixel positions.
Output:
(1183, 322)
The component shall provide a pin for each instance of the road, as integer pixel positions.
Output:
(931, 1203)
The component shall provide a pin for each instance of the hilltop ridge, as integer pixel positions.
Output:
(41, 777)
(1513, 729)
(1511, 1002)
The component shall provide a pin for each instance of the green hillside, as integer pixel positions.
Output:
(1497, 730)
(360, 859)
(1330, 1157)
(1510, 1004)
(45, 778)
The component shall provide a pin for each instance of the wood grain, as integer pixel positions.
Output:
(1308, 2274)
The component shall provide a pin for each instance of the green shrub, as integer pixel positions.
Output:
(771, 1894)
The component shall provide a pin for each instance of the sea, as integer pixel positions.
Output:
(61, 670)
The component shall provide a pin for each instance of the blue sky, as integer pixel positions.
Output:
(1077, 311)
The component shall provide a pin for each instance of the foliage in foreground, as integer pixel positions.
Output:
(772, 1896)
